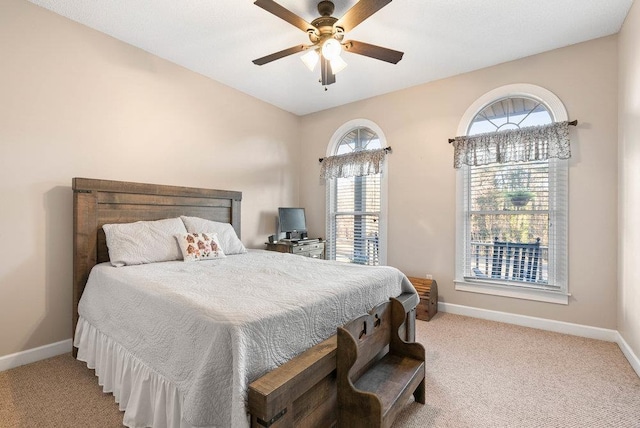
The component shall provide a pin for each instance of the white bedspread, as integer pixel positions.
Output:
(208, 329)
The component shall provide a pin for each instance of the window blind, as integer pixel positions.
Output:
(512, 203)
(354, 208)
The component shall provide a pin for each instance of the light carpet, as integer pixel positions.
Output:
(485, 374)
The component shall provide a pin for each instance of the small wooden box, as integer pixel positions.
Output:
(428, 291)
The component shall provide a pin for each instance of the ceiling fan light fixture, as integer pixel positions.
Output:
(331, 49)
(326, 34)
(337, 65)
(310, 59)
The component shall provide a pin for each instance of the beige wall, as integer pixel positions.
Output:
(74, 102)
(629, 187)
(417, 123)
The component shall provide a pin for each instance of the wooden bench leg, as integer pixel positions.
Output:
(420, 393)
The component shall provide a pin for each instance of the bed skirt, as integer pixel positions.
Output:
(145, 396)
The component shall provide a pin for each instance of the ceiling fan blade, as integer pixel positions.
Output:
(277, 55)
(359, 12)
(373, 51)
(285, 14)
(327, 74)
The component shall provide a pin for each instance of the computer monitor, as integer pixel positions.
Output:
(292, 221)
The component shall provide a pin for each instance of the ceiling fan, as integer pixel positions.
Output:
(326, 34)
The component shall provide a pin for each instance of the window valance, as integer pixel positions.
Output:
(354, 164)
(518, 145)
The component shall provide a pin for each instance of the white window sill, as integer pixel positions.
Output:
(498, 289)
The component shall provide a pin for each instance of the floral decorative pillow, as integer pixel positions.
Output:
(226, 234)
(200, 246)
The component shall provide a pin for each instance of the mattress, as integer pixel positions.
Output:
(178, 343)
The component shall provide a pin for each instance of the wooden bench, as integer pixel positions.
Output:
(302, 392)
(376, 369)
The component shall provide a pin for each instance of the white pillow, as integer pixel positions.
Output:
(144, 241)
(200, 246)
(226, 233)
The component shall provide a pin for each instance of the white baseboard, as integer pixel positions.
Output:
(628, 352)
(36, 354)
(533, 322)
(548, 325)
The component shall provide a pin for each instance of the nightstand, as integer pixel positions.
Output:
(314, 248)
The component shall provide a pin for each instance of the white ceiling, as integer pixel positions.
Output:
(439, 38)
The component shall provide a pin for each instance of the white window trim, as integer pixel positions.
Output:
(558, 113)
(384, 182)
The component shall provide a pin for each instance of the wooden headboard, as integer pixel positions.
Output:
(98, 202)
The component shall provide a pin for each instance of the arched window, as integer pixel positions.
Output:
(355, 205)
(512, 216)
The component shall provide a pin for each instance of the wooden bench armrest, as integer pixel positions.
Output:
(398, 345)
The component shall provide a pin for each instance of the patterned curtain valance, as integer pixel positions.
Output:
(518, 145)
(354, 164)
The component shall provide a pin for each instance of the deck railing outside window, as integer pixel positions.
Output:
(483, 266)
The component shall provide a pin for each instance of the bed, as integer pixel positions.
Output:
(232, 364)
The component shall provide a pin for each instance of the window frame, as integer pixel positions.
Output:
(332, 147)
(558, 209)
